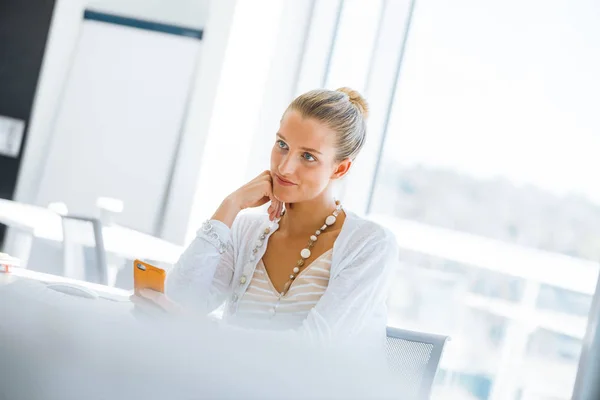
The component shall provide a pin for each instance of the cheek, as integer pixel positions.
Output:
(275, 156)
(317, 177)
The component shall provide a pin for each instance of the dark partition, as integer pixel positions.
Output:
(24, 29)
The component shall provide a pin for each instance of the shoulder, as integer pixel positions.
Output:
(363, 232)
(367, 250)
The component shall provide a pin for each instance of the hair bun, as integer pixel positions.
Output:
(356, 99)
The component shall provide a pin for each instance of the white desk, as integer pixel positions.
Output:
(46, 224)
(105, 292)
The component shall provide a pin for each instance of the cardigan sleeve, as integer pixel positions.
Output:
(201, 279)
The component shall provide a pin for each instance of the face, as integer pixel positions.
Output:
(303, 160)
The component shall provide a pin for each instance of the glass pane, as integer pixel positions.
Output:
(489, 177)
(354, 43)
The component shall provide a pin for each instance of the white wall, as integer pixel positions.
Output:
(249, 72)
(189, 159)
(118, 125)
(258, 80)
(47, 151)
(60, 48)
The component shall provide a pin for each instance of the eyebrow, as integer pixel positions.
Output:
(303, 148)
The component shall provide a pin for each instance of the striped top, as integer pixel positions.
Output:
(262, 306)
(217, 267)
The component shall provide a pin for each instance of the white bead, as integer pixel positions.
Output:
(259, 243)
(330, 220)
(317, 233)
(313, 238)
(335, 213)
(305, 253)
(296, 270)
(324, 227)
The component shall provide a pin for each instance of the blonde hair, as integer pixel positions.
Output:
(344, 110)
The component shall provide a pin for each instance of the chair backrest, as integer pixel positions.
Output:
(79, 235)
(414, 357)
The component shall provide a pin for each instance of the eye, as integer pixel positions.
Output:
(308, 157)
(281, 144)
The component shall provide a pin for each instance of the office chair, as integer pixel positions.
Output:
(414, 357)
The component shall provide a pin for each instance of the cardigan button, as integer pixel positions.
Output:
(243, 279)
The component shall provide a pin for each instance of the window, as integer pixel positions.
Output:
(482, 154)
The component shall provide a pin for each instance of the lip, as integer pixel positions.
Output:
(284, 182)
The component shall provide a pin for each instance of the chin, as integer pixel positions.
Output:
(284, 194)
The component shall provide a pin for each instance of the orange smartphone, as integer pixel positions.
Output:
(146, 276)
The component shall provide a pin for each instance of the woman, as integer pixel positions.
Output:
(311, 265)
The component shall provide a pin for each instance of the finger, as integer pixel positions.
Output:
(268, 193)
(145, 307)
(269, 180)
(260, 177)
(263, 175)
(272, 211)
(150, 294)
(161, 300)
(263, 201)
(155, 298)
(268, 186)
(264, 186)
(276, 209)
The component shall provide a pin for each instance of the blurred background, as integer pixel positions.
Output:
(139, 116)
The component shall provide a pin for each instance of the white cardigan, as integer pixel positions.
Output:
(354, 304)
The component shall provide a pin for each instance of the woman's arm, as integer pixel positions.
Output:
(201, 279)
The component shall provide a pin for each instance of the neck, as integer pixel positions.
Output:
(306, 217)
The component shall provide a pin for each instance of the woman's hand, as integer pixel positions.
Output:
(150, 302)
(255, 193)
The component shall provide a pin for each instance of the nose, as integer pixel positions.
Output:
(286, 166)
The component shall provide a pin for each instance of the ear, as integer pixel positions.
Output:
(342, 169)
